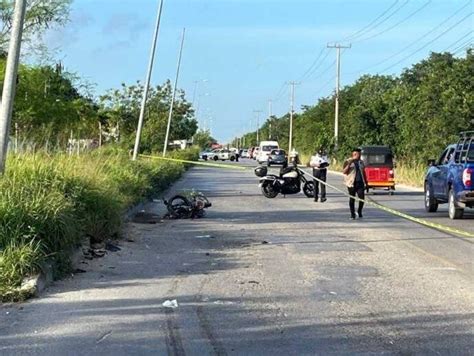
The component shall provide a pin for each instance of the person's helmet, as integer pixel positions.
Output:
(261, 171)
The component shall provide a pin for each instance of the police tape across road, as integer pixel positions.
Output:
(414, 219)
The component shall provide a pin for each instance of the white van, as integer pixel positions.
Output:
(265, 148)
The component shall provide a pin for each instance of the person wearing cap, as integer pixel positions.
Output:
(319, 162)
(355, 180)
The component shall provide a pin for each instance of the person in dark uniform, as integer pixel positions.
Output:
(319, 162)
(355, 180)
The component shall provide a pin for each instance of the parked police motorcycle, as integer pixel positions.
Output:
(289, 181)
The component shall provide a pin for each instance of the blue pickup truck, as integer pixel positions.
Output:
(450, 179)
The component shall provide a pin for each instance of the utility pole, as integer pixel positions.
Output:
(292, 110)
(270, 119)
(257, 112)
(338, 47)
(173, 97)
(9, 84)
(147, 83)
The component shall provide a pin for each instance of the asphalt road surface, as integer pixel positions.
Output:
(257, 276)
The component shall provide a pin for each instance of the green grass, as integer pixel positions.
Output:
(49, 202)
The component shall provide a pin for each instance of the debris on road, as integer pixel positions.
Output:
(170, 303)
(112, 247)
(143, 217)
(205, 237)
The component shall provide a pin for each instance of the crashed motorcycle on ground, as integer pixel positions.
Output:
(187, 205)
(289, 181)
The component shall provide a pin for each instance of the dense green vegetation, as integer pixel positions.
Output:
(48, 203)
(416, 113)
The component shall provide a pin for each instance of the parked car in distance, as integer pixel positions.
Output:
(264, 150)
(450, 179)
(277, 157)
(245, 153)
(205, 154)
(222, 155)
(255, 152)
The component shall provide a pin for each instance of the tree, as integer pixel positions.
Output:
(122, 107)
(40, 16)
(203, 139)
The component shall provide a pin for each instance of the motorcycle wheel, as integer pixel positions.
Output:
(179, 207)
(308, 189)
(268, 190)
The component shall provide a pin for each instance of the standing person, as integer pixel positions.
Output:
(319, 162)
(355, 180)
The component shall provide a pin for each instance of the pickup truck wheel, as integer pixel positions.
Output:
(431, 205)
(232, 158)
(216, 158)
(454, 211)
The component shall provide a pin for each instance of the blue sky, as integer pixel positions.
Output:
(247, 49)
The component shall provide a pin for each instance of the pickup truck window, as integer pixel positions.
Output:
(442, 158)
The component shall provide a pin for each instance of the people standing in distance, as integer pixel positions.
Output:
(320, 163)
(355, 180)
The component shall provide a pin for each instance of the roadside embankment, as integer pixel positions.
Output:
(50, 202)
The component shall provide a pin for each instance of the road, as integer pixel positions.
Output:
(257, 276)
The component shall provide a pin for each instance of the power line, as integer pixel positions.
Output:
(360, 32)
(319, 65)
(315, 62)
(455, 43)
(434, 29)
(396, 24)
(430, 42)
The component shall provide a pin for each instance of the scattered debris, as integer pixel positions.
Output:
(103, 337)
(112, 247)
(265, 242)
(333, 293)
(143, 217)
(223, 302)
(79, 270)
(170, 303)
(205, 237)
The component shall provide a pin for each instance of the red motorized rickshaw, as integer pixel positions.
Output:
(379, 167)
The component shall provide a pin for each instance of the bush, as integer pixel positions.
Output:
(49, 202)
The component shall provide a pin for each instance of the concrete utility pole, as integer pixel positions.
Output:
(292, 110)
(147, 83)
(173, 97)
(9, 84)
(269, 119)
(257, 112)
(338, 74)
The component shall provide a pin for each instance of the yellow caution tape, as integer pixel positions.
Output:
(396, 212)
(369, 202)
(208, 164)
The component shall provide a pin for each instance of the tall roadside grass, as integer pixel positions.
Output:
(48, 202)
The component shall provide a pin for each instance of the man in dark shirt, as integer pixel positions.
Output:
(354, 170)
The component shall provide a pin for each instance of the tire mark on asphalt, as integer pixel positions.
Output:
(174, 344)
(205, 325)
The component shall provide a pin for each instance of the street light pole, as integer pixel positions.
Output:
(292, 109)
(174, 93)
(9, 84)
(257, 112)
(338, 82)
(147, 83)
